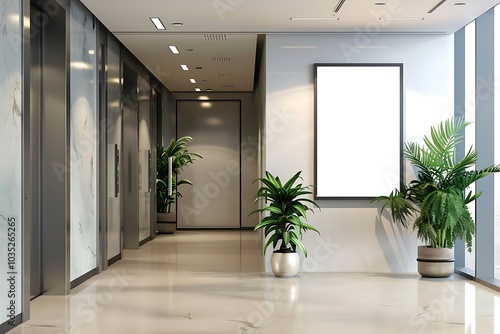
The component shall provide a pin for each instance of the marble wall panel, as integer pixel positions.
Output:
(10, 165)
(83, 140)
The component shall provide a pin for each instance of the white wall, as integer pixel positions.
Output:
(353, 236)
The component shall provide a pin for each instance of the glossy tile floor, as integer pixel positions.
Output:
(212, 282)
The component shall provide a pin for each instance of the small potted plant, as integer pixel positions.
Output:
(179, 156)
(284, 225)
(438, 197)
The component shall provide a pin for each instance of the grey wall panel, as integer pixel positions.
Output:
(145, 155)
(485, 131)
(56, 173)
(459, 111)
(214, 199)
(130, 156)
(114, 137)
(35, 278)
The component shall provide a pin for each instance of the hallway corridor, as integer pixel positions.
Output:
(213, 282)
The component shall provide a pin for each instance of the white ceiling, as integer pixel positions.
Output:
(222, 34)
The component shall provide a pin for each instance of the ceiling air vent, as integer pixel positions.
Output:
(220, 58)
(436, 6)
(214, 37)
(223, 74)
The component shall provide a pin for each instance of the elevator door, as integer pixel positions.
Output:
(48, 150)
(213, 201)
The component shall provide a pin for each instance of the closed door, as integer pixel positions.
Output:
(213, 201)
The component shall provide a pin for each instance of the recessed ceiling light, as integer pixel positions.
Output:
(91, 52)
(185, 67)
(339, 5)
(174, 50)
(209, 89)
(192, 81)
(322, 18)
(177, 24)
(436, 6)
(197, 90)
(157, 22)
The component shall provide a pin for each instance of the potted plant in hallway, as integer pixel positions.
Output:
(438, 197)
(283, 226)
(170, 161)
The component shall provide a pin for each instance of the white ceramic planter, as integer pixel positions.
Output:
(435, 262)
(285, 264)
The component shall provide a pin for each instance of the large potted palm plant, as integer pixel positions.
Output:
(170, 161)
(284, 225)
(437, 199)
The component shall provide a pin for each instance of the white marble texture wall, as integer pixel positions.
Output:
(114, 134)
(83, 141)
(11, 149)
(144, 150)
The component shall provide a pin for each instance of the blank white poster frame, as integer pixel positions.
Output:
(358, 130)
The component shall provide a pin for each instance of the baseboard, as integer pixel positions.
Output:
(83, 278)
(114, 259)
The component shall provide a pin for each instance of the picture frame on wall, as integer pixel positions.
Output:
(358, 129)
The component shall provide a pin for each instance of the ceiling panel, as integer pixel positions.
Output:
(242, 20)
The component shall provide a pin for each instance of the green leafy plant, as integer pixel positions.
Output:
(284, 226)
(181, 157)
(439, 196)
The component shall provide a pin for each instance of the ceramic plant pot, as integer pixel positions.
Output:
(166, 222)
(435, 262)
